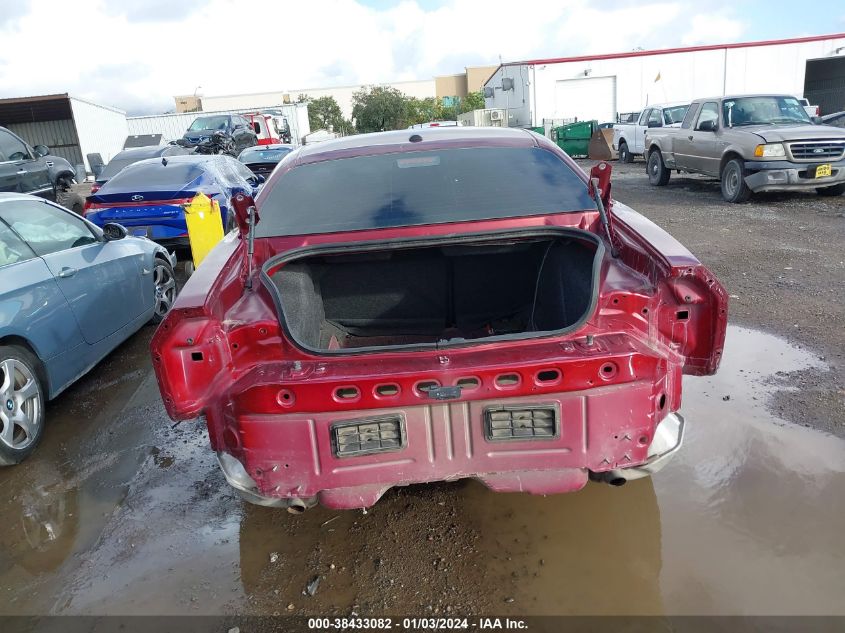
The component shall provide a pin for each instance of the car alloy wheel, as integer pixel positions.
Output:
(165, 288)
(21, 405)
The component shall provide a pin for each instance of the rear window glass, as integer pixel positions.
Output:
(155, 176)
(115, 166)
(674, 114)
(413, 188)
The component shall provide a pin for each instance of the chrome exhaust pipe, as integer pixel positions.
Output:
(297, 506)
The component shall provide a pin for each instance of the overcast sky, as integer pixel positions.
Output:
(137, 54)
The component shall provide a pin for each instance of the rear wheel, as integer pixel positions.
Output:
(21, 404)
(658, 175)
(67, 197)
(733, 184)
(164, 282)
(624, 155)
(835, 190)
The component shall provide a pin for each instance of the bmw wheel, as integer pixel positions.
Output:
(21, 404)
(164, 282)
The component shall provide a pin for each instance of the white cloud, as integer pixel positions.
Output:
(137, 55)
(712, 28)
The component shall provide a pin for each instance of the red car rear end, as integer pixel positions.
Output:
(436, 306)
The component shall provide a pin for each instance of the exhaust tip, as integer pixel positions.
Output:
(617, 481)
(296, 507)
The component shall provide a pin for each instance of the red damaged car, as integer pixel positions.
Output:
(431, 305)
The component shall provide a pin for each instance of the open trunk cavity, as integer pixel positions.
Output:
(445, 292)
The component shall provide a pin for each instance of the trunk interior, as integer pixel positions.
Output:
(443, 294)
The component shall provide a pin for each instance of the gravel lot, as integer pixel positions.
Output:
(782, 259)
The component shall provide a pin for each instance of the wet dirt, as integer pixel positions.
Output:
(119, 513)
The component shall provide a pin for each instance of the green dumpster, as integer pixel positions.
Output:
(574, 138)
(540, 130)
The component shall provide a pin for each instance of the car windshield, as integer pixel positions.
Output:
(763, 111)
(674, 114)
(209, 123)
(254, 155)
(415, 188)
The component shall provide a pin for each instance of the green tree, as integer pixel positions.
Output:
(380, 108)
(473, 101)
(325, 112)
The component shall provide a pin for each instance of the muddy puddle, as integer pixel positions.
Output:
(124, 514)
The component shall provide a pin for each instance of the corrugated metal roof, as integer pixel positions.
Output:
(669, 51)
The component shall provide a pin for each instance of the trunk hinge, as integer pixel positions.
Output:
(247, 217)
(250, 245)
(600, 190)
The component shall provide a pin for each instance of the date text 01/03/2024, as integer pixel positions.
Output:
(383, 624)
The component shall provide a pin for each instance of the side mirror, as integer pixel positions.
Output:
(113, 231)
(708, 126)
(653, 124)
(41, 150)
(257, 128)
(817, 120)
(260, 179)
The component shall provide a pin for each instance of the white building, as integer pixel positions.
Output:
(600, 86)
(342, 94)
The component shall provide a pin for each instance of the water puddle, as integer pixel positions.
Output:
(747, 520)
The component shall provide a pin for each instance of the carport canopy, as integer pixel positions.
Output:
(35, 109)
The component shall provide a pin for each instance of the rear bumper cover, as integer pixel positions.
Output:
(668, 438)
(289, 459)
(785, 175)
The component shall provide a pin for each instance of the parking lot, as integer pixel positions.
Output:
(122, 512)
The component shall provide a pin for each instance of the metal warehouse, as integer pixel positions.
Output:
(602, 86)
(71, 127)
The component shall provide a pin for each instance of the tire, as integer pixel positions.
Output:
(73, 201)
(67, 197)
(22, 405)
(658, 175)
(624, 155)
(188, 268)
(834, 190)
(164, 288)
(732, 180)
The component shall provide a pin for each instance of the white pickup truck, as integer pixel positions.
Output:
(628, 138)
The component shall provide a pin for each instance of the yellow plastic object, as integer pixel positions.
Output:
(205, 228)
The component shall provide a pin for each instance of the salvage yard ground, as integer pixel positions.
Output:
(143, 521)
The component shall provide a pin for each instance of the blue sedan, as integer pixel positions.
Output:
(148, 197)
(69, 294)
